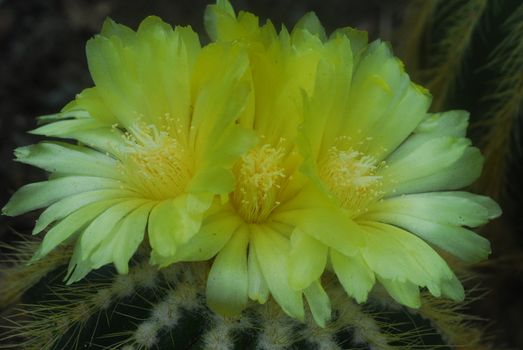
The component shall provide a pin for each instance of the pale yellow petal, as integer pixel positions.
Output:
(307, 260)
(354, 274)
(319, 303)
(405, 293)
(258, 289)
(122, 242)
(42, 194)
(102, 226)
(71, 225)
(213, 235)
(272, 251)
(227, 283)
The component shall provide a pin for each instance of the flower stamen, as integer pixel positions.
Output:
(259, 177)
(351, 177)
(155, 163)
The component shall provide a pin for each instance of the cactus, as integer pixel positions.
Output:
(165, 309)
(276, 168)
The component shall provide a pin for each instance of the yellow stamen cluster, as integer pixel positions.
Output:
(259, 176)
(157, 165)
(351, 176)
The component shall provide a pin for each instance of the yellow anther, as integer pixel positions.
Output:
(351, 177)
(259, 177)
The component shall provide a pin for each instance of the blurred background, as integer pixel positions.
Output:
(469, 53)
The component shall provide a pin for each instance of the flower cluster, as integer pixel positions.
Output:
(279, 155)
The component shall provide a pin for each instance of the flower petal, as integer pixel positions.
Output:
(430, 158)
(101, 227)
(227, 283)
(160, 229)
(453, 289)
(218, 17)
(463, 243)
(405, 293)
(378, 84)
(451, 123)
(173, 222)
(319, 303)
(77, 268)
(68, 159)
(312, 212)
(258, 289)
(358, 39)
(325, 225)
(436, 218)
(131, 83)
(307, 260)
(123, 240)
(450, 208)
(312, 24)
(66, 128)
(67, 205)
(213, 235)
(400, 121)
(397, 255)
(88, 131)
(214, 175)
(354, 274)
(41, 194)
(329, 100)
(219, 141)
(272, 251)
(70, 225)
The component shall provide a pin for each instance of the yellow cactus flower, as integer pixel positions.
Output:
(158, 142)
(278, 155)
(378, 170)
(374, 153)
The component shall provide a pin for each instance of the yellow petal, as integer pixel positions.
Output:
(227, 283)
(42, 194)
(430, 158)
(213, 235)
(68, 205)
(122, 242)
(319, 303)
(405, 293)
(312, 24)
(354, 274)
(307, 260)
(397, 255)
(258, 289)
(272, 251)
(102, 226)
(70, 225)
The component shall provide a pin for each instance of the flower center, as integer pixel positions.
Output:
(259, 177)
(155, 163)
(351, 177)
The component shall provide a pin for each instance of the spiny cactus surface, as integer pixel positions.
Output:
(166, 309)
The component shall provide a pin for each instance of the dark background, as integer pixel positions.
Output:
(43, 66)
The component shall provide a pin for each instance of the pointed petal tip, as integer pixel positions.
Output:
(37, 256)
(453, 289)
(22, 152)
(224, 310)
(494, 210)
(7, 210)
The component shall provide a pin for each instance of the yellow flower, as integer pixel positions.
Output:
(158, 141)
(378, 170)
(278, 155)
(388, 167)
